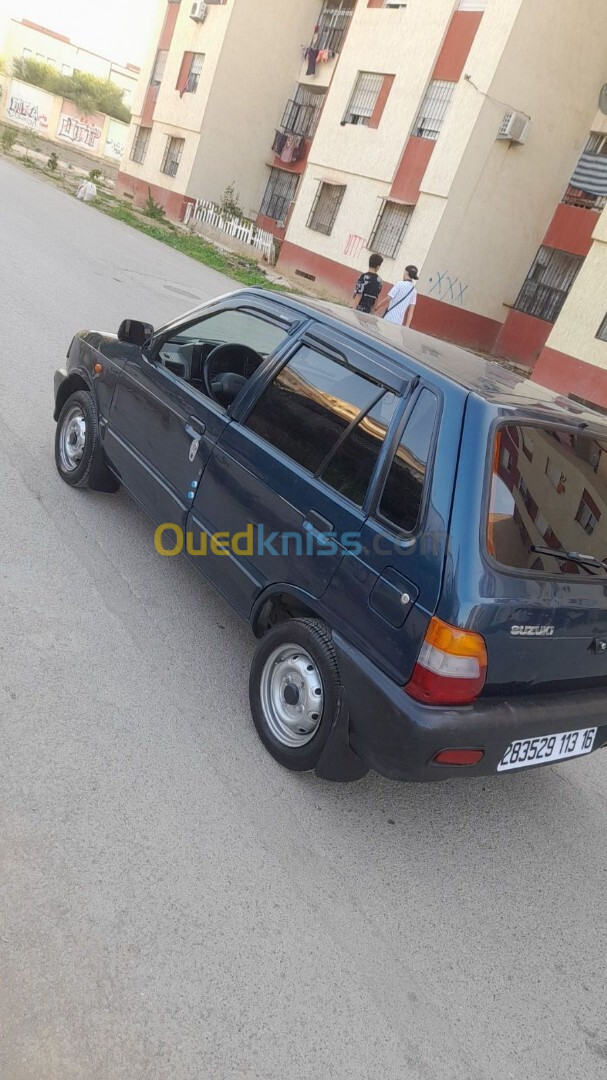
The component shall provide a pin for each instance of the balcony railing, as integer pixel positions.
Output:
(333, 24)
(301, 118)
(576, 197)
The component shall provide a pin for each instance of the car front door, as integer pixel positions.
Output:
(286, 482)
(163, 423)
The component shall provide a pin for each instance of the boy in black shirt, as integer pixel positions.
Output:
(369, 286)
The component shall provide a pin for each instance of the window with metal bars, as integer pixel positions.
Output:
(302, 113)
(434, 107)
(172, 156)
(333, 23)
(325, 207)
(159, 66)
(194, 73)
(364, 98)
(279, 194)
(389, 229)
(140, 144)
(548, 283)
(602, 330)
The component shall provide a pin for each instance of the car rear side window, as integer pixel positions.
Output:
(401, 499)
(548, 503)
(309, 406)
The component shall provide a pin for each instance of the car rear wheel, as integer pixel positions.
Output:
(294, 691)
(77, 447)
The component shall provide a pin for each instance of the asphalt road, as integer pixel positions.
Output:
(172, 904)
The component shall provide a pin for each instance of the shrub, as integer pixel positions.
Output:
(230, 205)
(88, 92)
(8, 138)
(95, 176)
(153, 209)
(52, 162)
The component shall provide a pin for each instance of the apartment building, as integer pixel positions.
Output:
(23, 39)
(449, 135)
(218, 81)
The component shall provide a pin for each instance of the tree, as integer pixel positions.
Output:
(88, 92)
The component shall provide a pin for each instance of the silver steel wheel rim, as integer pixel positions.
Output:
(292, 695)
(72, 438)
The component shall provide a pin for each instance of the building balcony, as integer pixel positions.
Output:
(576, 197)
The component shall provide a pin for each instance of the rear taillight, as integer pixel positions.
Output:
(451, 667)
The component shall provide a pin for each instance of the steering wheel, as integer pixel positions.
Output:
(224, 386)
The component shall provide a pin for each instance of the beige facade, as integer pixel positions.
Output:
(484, 203)
(23, 39)
(251, 59)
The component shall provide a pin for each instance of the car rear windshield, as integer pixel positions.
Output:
(548, 507)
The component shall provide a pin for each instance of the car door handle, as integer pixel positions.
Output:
(317, 523)
(195, 429)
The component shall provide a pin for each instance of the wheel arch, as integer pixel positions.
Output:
(76, 380)
(281, 602)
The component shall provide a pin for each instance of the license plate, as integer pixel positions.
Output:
(539, 751)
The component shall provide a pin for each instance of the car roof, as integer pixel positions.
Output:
(486, 378)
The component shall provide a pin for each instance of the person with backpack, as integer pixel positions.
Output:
(369, 286)
(400, 301)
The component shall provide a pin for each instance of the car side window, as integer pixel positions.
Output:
(351, 467)
(401, 499)
(310, 405)
(247, 338)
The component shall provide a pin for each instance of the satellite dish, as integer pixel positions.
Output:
(603, 100)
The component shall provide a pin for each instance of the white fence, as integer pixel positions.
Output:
(246, 232)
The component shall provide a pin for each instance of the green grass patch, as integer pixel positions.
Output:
(241, 269)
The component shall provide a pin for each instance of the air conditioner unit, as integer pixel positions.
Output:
(515, 127)
(198, 11)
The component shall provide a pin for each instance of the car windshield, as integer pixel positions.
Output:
(548, 507)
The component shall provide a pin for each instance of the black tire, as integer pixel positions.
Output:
(314, 638)
(80, 414)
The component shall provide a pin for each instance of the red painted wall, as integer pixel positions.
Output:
(149, 104)
(410, 172)
(565, 374)
(431, 316)
(382, 98)
(269, 225)
(571, 229)
(173, 201)
(456, 46)
(455, 324)
(522, 338)
(168, 26)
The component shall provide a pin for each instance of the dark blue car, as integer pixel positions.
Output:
(417, 538)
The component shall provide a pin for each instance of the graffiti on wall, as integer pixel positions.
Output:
(115, 141)
(354, 245)
(447, 288)
(28, 106)
(78, 131)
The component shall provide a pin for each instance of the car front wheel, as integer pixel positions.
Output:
(294, 691)
(78, 454)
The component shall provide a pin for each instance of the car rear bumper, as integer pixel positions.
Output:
(399, 737)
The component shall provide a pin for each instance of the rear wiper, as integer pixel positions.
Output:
(571, 556)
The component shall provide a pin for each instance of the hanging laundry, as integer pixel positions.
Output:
(312, 57)
(288, 149)
(279, 142)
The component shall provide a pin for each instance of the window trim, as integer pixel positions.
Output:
(316, 202)
(140, 129)
(601, 334)
(485, 506)
(372, 245)
(379, 481)
(357, 90)
(165, 157)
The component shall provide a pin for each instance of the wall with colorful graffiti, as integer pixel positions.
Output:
(61, 121)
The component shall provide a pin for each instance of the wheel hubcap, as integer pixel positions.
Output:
(292, 695)
(72, 439)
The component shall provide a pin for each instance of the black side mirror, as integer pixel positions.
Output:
(135, 333)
